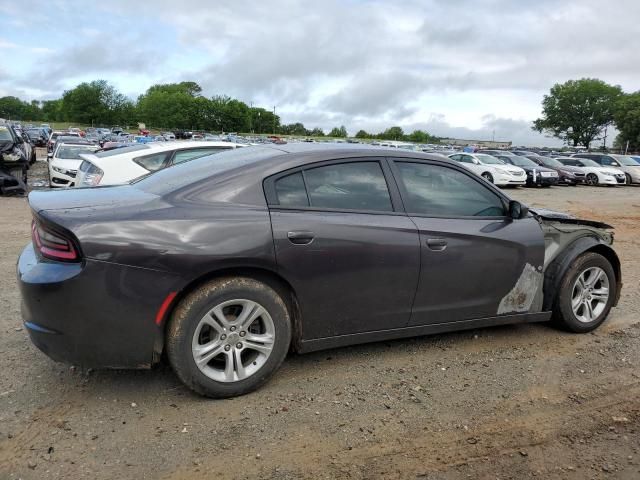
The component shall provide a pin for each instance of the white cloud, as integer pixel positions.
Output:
(450, 66)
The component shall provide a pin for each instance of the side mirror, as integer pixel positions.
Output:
(615, 164)
(517, 210)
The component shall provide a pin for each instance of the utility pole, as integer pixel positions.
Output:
(274, 119)
(251, 117)
(604, 140)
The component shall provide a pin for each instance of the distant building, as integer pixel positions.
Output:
(479, 143)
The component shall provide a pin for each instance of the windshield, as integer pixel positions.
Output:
(72, 152)
(5, 135)
(522, 161)
(552, 162)
(587, 162)
(627, 161)
(488, 159)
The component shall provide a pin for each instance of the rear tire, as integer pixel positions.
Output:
(587, 293)
(212, 348)
(487, 176)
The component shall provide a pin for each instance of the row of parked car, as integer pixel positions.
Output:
(524, 168)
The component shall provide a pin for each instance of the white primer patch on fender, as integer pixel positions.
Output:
(523, 293)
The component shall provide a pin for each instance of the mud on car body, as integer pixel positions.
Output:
(228, 262)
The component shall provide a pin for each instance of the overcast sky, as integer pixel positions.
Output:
(452, 67)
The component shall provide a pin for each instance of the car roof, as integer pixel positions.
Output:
(249, 166)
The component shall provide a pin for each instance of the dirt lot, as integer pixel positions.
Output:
(511, 402)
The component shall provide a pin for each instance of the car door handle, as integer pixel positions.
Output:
(300, 238)
(437, 244)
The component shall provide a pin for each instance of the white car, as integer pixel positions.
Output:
(121, 165)
(595, 174)
(492, 169)
(65, 162)
(168, 136)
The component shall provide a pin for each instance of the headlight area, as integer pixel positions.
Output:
(14, 156)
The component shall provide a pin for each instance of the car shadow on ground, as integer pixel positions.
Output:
(160, 379)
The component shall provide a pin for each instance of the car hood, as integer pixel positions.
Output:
(570, 168)
(537, 168)
(507, 168)
(614, 171)
(562, 217)
(68, 163)
(6, 145)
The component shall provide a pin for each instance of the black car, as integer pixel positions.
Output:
(39, 136)
(14, 161)
(536, 175)
(227, 262)
(567, 174)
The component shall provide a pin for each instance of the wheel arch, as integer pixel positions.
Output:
(556, 271)
(265, 275)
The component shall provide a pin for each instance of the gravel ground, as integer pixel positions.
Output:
(511, 402)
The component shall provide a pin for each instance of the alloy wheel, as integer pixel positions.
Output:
(233, 340)
(590, 294)
(487, 177)
(592, 179)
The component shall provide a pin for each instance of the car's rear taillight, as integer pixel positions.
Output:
(90, 175)
(53, 245)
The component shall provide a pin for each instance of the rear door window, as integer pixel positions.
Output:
(348, 186)
(290, 191)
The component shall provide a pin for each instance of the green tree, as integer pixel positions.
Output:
(338, 132)
(419, 136)
(627, 120)
(578, 111)
(363, 134)
(294, 129)
(16, 109)
(96, 102)
(393, 133)
(317, 132)
(52, 110)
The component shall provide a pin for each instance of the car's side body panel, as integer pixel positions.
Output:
(355, 282)
(358, 274)
(481, 265)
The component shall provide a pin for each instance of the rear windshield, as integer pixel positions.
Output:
(183, 174)
(120, 151)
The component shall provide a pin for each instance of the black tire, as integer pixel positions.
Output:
(487, 176)
(187, 316)
(628, 180)
(592, 179)
(563, 314)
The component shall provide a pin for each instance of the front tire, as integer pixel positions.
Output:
(487, 176)
(587, 293)
(627, 179)
(592, 179)
(228, 337)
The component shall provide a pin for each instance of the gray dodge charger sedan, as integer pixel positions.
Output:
(228, 262)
